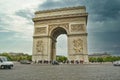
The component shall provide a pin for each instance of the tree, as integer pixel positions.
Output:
(99, 59)
(17, 57)
(61, 58)
(93, 59)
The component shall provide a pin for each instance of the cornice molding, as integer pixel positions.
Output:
(60, 9)
(60, 16)
(83, 34)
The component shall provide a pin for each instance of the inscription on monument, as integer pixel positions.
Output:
(78, 45)
(40, 30)
(77, 27)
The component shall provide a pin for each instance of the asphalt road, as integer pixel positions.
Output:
(61, 72)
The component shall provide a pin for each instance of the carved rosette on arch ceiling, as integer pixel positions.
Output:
(39, 46)
(78, 45)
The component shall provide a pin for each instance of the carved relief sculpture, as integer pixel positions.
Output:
(77, 27)
(78, 45)
(39, 46)
(40, 30)
(64, 25)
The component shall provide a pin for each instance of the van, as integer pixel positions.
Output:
(116, 63)
(5, 64)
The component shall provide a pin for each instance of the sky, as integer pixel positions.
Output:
(16, 26)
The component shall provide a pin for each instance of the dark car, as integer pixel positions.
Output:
(55, 63)
(25, 62)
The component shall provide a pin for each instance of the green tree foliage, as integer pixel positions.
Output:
(17, 57)
(61, 58)
(104, 59)
(92, 59)
(99, 59)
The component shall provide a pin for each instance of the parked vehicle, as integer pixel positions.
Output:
(116, 63)
(55, 63)
(25, 62)
(5, 64)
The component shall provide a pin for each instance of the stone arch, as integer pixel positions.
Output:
(54, 34)
(49, 24)
(53, 27)
(58, 31)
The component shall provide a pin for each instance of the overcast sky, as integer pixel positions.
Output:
(16, 26)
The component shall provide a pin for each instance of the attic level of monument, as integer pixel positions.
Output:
(49, 24)
(61, 9)
(70, 12)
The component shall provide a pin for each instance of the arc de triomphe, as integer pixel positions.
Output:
(49, 24)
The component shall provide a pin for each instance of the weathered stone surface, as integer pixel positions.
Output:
(41, 30)
(49, 24)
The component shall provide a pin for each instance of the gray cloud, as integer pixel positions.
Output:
(105, 10)
(102, 10)
(4, 22)
(4, 19)
(52, 4)
(25, 13)
(103, 15)
(103, 22)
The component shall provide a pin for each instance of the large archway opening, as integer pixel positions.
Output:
(59, 42)
(61, 45)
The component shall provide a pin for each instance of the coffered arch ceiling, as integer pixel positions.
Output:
(57, 31)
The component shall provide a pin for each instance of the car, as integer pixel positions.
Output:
(25, 62)
(116, 63)
(55, 63)
(5, 64)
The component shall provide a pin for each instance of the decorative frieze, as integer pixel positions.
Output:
(40, 30)
(59, 17)
(65, 20)
(77, 27)
(78, 45)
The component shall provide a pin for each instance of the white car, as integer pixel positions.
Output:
(5, 64)
(116, 63)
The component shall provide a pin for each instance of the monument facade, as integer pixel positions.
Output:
(49, 24)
